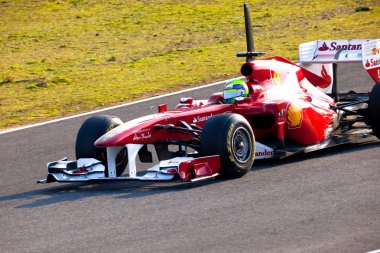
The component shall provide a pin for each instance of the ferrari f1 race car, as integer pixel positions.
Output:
(288, 108)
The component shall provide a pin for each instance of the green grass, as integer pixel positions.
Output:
(59, 58)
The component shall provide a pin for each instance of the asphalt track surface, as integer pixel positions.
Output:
(326, 201)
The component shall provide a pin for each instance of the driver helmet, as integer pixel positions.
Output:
(234, 88)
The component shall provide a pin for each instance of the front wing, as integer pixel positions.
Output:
(92, 170)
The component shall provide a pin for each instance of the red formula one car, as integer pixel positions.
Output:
(288, 108)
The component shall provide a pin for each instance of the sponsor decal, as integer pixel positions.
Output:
(294, 115)
(372, 63)
(201, 118)
(281, 113)
(143, 134)
(378, 73)
(332, 50)
(324, 47)
(264, 153)
(276, 78)
(334, 46)
(371, 58)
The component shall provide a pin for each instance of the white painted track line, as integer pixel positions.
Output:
(111, 108)
(375, 251)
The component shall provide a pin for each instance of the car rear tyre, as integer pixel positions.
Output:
(231, 137)
(374, 110)
(93, 128)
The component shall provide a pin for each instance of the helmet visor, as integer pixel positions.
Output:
(232, 93)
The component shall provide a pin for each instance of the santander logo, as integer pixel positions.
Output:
(372, 63)
(201, 118)
(324, 47)
(334, 46)
(265, 152)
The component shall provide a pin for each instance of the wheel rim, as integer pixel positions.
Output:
(241, 145)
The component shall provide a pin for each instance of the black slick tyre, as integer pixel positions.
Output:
(231, 137)
(374, 110)
(93, 128)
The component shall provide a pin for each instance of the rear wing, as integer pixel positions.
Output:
(366, 51)
(331, 51)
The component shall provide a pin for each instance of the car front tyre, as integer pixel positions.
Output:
(231, 137)
(93, 128)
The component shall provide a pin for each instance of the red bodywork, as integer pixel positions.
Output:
(283, 103)
(198, 168)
